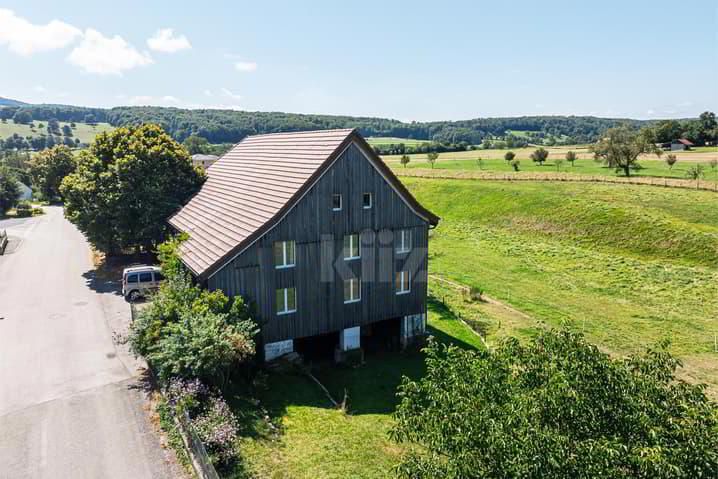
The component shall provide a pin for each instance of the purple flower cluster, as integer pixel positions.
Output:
(186, 394)
(217, 428)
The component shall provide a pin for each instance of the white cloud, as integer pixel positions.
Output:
(24, 38)
(207, 93)
(245, 66)
(165, 41)
(233, 96)
(39, 88)
(106, 56)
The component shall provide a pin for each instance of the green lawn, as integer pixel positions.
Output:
(390, 140)
(313, 439)
(85, 132)
(629, 265)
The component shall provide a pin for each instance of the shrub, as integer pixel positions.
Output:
(209, 414)
(218, 429)
(23, 209)
(190, 332)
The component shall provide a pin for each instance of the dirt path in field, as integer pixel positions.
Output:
(555, 176)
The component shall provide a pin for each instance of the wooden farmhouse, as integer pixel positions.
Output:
(319, 235)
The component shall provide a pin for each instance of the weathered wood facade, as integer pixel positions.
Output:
(287, 187)
(320, 269)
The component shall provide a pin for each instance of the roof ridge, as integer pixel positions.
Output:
(302, 132)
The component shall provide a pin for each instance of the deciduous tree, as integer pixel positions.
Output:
(9, 190)
(431, 157)
(620, 148)
(571, 157)
(671, 160)
(539, 156)
(509, 156)
(49, 167)
(554, 407)
(405, 159)
(126, 186)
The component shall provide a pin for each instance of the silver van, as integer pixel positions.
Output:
(137, 281)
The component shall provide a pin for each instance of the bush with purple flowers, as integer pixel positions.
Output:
(209, 414)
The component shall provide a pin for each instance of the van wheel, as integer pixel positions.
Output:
(133, 296)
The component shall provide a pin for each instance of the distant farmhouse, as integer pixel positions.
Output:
(319, 234)
(205, 161)
(677, 145)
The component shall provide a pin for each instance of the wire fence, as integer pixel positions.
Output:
(557, 176)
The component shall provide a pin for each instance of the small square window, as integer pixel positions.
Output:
(403, 282)
(403, 241)
(284, 252)
(351, 247)
(367, 201)
(146, 277)
(352, 290)
(336, 202)
(286, 300)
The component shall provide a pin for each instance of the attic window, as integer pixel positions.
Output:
(336, 202)
(367, 201)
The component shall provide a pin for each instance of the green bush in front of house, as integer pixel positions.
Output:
(189, 332)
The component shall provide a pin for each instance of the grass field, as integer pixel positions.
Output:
(627, 264)
(701, 154)
(650, 167)
(85, 132)
(389, 140)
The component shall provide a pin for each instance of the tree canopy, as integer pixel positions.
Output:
(620, 147)
(126, 186)
(9, 189)
(49, 167)
(555, 407)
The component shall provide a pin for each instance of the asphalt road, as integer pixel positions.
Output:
(71, 402)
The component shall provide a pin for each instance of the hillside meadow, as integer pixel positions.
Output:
(84, 131)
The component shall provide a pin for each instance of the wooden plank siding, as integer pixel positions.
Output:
(318, 232)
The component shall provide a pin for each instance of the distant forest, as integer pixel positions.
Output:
(229, 126)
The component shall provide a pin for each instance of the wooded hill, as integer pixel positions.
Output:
(229, 126)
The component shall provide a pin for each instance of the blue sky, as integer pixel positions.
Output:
(406, 60)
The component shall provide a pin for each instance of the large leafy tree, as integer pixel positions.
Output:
(555, 407)
(196, 144)
(9, 189)
(539, 156)
(49, 167)
(620, 148)
(126, 185)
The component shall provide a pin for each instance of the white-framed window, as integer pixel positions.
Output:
(403, 282)
(352, 290)
(284, 254)
(403, 241)
(367, 201)
(286, 300)
(336, 202)
(351, 247)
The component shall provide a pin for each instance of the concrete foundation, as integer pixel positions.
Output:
(280, 348)
(413, 329)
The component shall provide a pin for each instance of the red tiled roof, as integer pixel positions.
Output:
(685, 142)
(251, 186)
